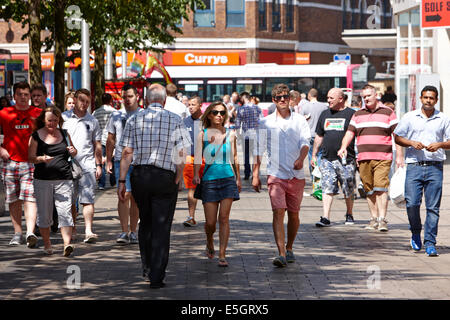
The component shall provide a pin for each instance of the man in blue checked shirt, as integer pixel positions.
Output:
(247, 119)
(425, 133)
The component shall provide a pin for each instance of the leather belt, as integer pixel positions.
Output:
(426, 163)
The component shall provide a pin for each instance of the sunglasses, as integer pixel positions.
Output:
(216, 112)
(278, 98)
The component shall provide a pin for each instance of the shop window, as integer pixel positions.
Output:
(205, 17)
(289, 16)
(235, 13)
(276, 15)
(262, 14)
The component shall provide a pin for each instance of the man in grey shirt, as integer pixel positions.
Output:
(312, 111)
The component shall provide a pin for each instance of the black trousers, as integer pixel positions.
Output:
(155, 193)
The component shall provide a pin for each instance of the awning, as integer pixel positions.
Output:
(370, 38)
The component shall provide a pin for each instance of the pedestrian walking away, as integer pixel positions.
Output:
(193, 125)
(373, 126)
(49, 152)
(425, 133)
(86, 136)
(17, 122)
(220, 187)
(285, 135)
(127, 209)
(331, 127)
(247, 118)
(311, 110)
(155, 142)
(102, 115)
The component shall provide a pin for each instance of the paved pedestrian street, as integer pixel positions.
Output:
(335, 263)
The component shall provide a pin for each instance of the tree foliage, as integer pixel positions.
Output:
(124, 24)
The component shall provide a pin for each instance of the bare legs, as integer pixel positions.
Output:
(223, 209)
(279, 233)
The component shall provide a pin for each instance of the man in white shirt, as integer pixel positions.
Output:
(173, 104)
(127, 209)
(102, 115)
(86, 137)
(285, 135)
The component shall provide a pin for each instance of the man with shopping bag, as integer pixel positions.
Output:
(331, 128)
(425, 133)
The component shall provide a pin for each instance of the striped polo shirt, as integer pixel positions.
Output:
(373, 130)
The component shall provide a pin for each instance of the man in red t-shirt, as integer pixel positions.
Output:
(17, 123)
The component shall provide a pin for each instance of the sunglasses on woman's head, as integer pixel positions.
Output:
(216, 112)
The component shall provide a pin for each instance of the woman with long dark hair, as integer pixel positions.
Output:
(50, 152)
(220, 187)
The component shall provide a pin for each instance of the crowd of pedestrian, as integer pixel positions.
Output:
(151, 152)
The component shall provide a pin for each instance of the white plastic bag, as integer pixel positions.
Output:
(397, 187)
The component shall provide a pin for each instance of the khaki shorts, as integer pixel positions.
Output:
(375, 175)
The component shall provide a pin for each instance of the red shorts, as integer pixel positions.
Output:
(285, 194)
(188, 172)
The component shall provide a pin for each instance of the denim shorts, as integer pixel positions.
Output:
(127, 178)
(219, 189)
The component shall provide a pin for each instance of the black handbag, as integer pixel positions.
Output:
(77, 171)
(198, 188)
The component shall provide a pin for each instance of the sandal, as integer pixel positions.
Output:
(209, 252)
(91, 238)
(223, 262)
(68, 250)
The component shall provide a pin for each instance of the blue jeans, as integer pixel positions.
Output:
(428, 180)
(112, 177)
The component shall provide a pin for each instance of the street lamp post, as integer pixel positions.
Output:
(85, 51)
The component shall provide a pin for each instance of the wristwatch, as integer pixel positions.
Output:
(122, 181)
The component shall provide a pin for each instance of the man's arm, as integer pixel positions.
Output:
(317, 143)
(110, 145)
(298, 164)
(98, 154)
(401, 141)
(349, 135)
(125, 162)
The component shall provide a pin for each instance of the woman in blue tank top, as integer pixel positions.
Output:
(219, 185)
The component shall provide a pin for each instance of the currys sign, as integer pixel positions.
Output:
(203, 58)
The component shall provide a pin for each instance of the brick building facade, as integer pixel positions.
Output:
(276, 30)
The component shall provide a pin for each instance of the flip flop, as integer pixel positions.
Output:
(209, 252)
(68, 250)
(223, 263)
(90, 238)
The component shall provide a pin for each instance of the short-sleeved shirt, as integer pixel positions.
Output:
(248, 116)
(17, 127)
(332, 126)
(194, 127)
(115, 125)
(416, 126)
(84, 132)
(156, 136)
(312, 110)
(102, 115)
(283, 139)
(373, 130)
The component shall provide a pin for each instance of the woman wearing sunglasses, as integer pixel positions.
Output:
(219, 185)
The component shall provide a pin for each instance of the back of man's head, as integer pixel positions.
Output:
(313, 94)
(106, 98)
(171, 90)
(244, 96)
(156, 93)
